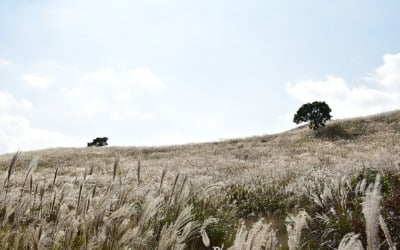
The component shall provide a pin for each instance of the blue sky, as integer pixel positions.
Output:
(166, 72)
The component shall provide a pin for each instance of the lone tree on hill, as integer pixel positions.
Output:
(98, 142)
(317, 113)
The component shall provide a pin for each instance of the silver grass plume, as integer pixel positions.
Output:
(294, 226)
(175, 235)
(11, 167)
(266, 238)
(116, 226)
(350, 242)
(240, 238)
(260, 236)
(36, 236)
(32, 167)
(151, 207)
(203, 233)
(371, 210)
(386, 232)
(136, 239)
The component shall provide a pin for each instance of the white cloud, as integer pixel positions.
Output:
(144, 78)
(9, 103)
(207, 122)
(389, 73)
(56, 65)
(4, 62)
(131, 114)
(347, 101)
(38, 81)
(107, 92)
(17, 133)
(107, 100)
(111, 92)
(139, 78)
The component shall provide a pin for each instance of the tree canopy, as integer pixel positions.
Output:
(317, 113)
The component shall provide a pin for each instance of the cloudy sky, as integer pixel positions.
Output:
(159, 72)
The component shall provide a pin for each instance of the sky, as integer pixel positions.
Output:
(158, 72)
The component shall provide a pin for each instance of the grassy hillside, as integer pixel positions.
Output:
(298, 189)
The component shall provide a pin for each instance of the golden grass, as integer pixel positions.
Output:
(145, 197)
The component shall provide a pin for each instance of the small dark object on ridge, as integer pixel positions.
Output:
(98, 142)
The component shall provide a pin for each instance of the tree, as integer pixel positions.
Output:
(317, 113)
(98, 142)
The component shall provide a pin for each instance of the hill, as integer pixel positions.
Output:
(106, 198)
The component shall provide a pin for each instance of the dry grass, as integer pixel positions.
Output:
(186, 197)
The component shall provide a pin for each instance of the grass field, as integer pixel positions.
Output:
(337, 188)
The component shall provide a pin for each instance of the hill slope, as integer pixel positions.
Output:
(343, 143)
(266, 177)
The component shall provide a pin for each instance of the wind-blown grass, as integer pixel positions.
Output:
(295, 190)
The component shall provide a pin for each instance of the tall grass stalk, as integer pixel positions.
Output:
(164, 172)
(138, 170)
(385, 230)
(281, 175)
(55, 177)
(294, 226)
(371, 210)
(11, 167)
(115, 167)
(32, 167)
